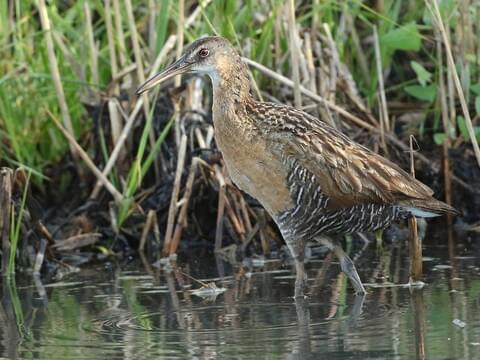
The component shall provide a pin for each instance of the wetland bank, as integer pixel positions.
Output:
(99, 187)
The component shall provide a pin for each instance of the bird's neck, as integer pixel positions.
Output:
(231, 84)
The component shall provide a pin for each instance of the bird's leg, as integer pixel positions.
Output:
(347, 265)
(297, 249)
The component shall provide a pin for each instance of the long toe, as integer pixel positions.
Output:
(348, 267)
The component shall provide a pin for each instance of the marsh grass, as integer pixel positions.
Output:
(342, 54)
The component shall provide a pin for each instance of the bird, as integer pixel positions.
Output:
(314, 181)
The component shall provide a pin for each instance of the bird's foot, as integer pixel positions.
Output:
(348, 267)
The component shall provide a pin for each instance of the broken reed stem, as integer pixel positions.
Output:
(6, 175)
(381, 86)
(182, 216)
(456, 79)
(220, 209)
(53, 64)
(37, 266)
(446, 126)
(234, 219)
(172, 210)
(149, 225)
(115, 120)
(91, 43)
(294, 53)
(416, 269)
(117, 196)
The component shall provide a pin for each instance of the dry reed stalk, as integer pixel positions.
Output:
(112, 213)
(446, 127)
(220, 209)
(381, 86)
(264, 242)
(456, 80)
(333, 64)
(321, 73)
(180, 34)
(234, 219)
(91, 43)
(111, 44)
(177, 80)
(182, 216)
(117, 196)
(294, 52)
(136, 48)
(53, 64)
(172, 210)
(147, 228)
(312, 83)
(40, 257)
(120, 34)
(153, 9)
(115, 120)
(451, 95)
(312, 74)
(6, 175)
(416, 266)
(244, 210)
(322, 84)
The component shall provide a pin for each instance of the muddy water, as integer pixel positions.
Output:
(143, 312)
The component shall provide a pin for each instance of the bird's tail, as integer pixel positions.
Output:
(429, 208)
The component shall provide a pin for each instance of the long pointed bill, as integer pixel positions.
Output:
(177, 68)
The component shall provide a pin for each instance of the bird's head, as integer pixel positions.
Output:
(208, 55)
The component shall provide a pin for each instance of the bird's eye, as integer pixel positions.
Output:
(203, 53)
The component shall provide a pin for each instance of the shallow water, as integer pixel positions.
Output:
(144, 312)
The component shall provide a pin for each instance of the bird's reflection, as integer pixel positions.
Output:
(304, 347)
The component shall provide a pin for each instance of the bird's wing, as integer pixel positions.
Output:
(347, 172)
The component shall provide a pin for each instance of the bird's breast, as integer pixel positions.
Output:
(252, 166)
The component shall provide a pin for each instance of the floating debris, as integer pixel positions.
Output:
(209, 291)
(459, 323)
(442, 267)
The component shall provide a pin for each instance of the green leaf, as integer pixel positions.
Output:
(475, 88)
(439, 138)
(477, 105)
(424, 93)
(423, 75)
(462, 126)
(403, 38)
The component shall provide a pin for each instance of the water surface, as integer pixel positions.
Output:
(143, 312)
